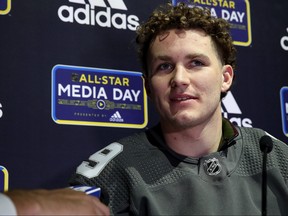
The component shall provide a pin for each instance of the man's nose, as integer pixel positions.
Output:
(180, 77)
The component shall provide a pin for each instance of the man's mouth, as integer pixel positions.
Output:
(182, 98)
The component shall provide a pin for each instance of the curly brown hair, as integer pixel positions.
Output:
(183, 16)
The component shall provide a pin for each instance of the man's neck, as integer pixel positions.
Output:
(195, 141)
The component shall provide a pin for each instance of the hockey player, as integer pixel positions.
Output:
(194, 162)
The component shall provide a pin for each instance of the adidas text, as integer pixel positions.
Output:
(245, 122)
(102, 18)
(116, 120)
(116, 117)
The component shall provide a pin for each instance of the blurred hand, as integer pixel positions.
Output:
(56, 202)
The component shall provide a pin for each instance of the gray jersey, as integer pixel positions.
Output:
(140, 175)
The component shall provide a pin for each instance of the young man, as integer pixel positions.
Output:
(194, 162)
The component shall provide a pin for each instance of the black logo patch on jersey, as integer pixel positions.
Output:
(212, 166)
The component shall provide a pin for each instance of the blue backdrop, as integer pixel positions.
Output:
(37, 35)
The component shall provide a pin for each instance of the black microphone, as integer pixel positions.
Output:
(266, 146)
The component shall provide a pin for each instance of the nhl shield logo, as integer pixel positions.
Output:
(212, 166)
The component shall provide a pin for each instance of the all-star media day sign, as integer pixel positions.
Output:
(284, 109)
(4, 179)
(98, 97)
(5, 7)
(236, 12)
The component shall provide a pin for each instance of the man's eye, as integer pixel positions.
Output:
(165, 66)
(196, 63)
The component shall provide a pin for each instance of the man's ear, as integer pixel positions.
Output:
(227, 75)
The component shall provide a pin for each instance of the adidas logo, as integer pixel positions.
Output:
(85, 12)
(115, 4)
(116, 117)
(230, 106)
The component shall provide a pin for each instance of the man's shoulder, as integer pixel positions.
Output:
(252, 154)
(252, 132)
(255, 134)
(133, 139)
(250, 137)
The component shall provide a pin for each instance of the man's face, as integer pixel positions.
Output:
(186, 78)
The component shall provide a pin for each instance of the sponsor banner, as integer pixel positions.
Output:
(98, 97)
(284, 109)
(236, 12)
(5, 7)
(3, 179)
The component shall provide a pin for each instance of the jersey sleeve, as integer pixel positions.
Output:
(105, 169)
